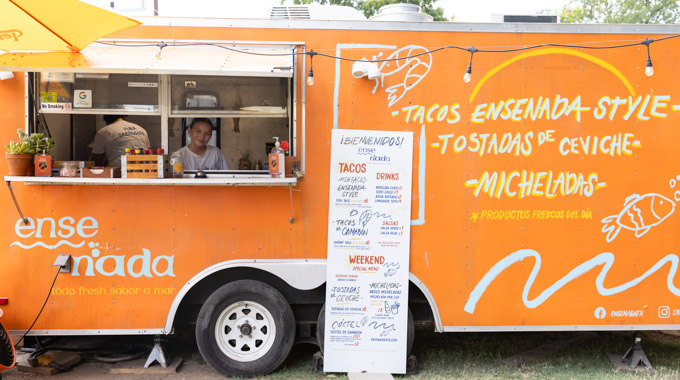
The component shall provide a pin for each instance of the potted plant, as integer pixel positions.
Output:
(20, 153)
(18, 157)
(36, 142)
(290, 160)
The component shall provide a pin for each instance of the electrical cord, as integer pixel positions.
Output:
(106, 352)
(41, 309)
(110, 355)
(116, 358)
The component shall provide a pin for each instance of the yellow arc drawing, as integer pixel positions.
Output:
(536, 53)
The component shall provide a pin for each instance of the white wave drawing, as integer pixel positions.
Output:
(41, 244)
(606, 259)
(413, 70)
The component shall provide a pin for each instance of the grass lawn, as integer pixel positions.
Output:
(479, 355)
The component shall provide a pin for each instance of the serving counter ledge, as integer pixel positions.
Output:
(223, 180)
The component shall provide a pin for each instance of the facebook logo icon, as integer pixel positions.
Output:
(600, 313)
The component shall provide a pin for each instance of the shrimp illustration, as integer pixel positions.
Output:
(639, 214)
(415, 69)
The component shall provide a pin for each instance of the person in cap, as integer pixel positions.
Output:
(110, 142)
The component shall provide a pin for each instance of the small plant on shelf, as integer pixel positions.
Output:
(30, 144)
(20, 153)
(17, 147)
(36, 142)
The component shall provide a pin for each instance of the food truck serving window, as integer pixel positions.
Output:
(248, 112)
(72, 106)
(98, 92)
(248, 101)
(239, 96)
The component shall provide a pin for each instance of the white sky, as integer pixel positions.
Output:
(464, 10)
(481, 10)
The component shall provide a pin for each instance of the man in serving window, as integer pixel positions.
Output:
(110, 142)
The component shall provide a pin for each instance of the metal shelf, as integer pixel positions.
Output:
(223, 180)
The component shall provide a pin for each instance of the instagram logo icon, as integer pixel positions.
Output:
(664, 312)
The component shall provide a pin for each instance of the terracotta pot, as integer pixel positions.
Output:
(19, 164)
(290, 163)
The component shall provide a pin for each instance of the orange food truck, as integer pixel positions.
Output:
(543, 193)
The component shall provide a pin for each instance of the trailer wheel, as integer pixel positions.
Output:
(245, 328)
(7, 354)
(321, 325)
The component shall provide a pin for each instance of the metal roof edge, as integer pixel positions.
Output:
(413, 26)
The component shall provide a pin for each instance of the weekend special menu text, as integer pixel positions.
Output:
(369, 226)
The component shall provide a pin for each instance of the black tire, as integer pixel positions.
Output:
(321, 325)
(7, 354)
(245, 310)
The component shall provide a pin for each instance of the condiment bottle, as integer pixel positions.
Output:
(277, 161)
(43, 165)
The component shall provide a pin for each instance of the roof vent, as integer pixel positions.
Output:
(401, 12)
(315, 12)
(538, 18)
(290, 13)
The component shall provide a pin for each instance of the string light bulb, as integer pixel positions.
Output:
(468, 72)
(160, 45)
(649, 68)
(310, 76)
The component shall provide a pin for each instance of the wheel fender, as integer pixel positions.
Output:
(303, 274)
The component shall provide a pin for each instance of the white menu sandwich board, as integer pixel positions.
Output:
(369, 225)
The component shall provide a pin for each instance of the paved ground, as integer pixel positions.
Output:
(99, 370)
(193, 366)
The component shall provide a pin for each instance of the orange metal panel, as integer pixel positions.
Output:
(477, 251)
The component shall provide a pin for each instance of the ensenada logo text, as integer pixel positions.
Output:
(72, 233)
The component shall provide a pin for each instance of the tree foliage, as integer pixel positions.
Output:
(621, 11)
(371, 7)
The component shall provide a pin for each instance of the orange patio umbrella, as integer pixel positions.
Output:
(55, 25)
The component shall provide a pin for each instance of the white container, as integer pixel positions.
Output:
(401, 12)
(68, 169)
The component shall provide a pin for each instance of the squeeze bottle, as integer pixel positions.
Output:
(276, 161)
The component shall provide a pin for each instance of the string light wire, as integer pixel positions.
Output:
(310, 53)
(649, 69)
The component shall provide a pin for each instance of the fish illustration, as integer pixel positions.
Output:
(639, 214)
(390, 272)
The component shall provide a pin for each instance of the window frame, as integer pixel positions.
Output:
(164, 110)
